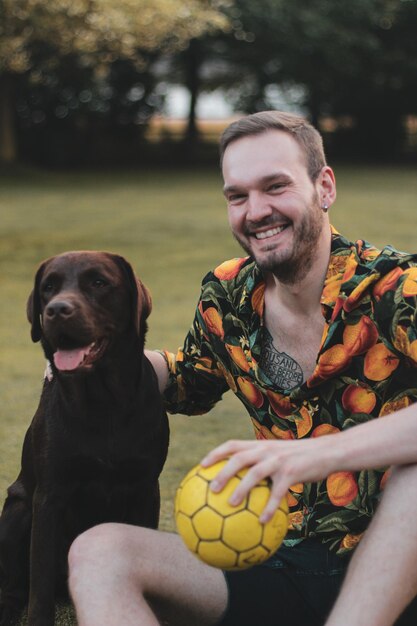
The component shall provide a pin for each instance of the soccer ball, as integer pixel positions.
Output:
(225, 536)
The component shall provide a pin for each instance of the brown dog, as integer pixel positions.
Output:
(99, 439)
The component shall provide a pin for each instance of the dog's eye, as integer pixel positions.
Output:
(47, 287)
(99, 282)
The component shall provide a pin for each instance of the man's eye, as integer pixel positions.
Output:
(275, 187)
(236, 197)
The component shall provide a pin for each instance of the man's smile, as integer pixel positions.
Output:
(270, 232)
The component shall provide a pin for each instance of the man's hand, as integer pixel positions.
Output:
(394, 442)
(285, 463)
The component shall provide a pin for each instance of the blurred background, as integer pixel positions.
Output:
(92, 82)
(110, 114)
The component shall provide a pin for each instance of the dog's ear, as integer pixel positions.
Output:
(146, 299)
(141, 298)
(33, 307)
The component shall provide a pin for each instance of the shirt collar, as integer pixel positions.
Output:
(342, 264)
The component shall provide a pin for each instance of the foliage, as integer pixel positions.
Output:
(355, 61)
(69, 65)
(99, 30)
(327, 46)
(60, 58)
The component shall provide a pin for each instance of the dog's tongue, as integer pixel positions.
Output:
(70, 359)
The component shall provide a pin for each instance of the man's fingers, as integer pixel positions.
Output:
(272, 505)
(252, 478)
(260, 464)
(223, 451)
(237, 462)
(257, 471)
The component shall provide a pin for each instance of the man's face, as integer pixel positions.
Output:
(274, 208)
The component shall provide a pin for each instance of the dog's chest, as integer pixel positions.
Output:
(102, 489)
(107, 467)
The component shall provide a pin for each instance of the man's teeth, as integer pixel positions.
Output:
(269, 233)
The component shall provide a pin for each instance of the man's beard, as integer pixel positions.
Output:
(292, 267)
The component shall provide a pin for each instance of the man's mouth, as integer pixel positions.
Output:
(85, 356)
(270, 232)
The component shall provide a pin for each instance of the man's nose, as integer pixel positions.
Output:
(258, 207)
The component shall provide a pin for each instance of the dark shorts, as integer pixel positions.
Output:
(295, 587)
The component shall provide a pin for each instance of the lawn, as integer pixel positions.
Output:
(172, 226)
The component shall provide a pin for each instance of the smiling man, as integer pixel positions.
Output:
(275, 205)
(277, 209)
(314, 334)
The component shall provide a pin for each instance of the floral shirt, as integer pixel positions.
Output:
(366, 367)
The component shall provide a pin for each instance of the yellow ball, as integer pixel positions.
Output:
(225, 536)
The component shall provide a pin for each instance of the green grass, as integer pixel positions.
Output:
(172, 226)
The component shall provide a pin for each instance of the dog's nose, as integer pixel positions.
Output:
(59, 308)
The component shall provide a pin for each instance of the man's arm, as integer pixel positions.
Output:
(389, 440)
(382, 576)
(160, 366)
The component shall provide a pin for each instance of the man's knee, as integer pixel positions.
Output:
(95, 543)
(115, 547)
(100, 552)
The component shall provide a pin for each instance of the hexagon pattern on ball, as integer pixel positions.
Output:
(225, 536)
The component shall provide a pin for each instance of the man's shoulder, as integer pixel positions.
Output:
(232, 272)
(232, 281)
(391, 277)
(388, 260)
(380, 260)
(368, 255)
(391, 257)
(358, 270)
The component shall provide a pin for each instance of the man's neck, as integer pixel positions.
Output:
(302, 297)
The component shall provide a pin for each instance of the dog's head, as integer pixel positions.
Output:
(81, 303)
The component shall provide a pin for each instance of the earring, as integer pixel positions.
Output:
(325, 208)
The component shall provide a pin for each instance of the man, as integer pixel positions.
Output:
(314, 334)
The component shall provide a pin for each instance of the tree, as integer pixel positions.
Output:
(36, 36)
(355, 60)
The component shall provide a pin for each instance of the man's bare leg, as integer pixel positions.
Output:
(127, 575)
(382, 577)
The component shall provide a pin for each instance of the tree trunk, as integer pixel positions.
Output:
(8, 139)
(192, 130)
(192, 59)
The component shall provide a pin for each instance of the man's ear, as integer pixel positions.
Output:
(141, 301)
(326, 187)
(33, 307)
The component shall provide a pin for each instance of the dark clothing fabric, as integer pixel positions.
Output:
(295, 587)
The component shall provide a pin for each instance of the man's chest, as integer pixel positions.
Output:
(289, 351)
